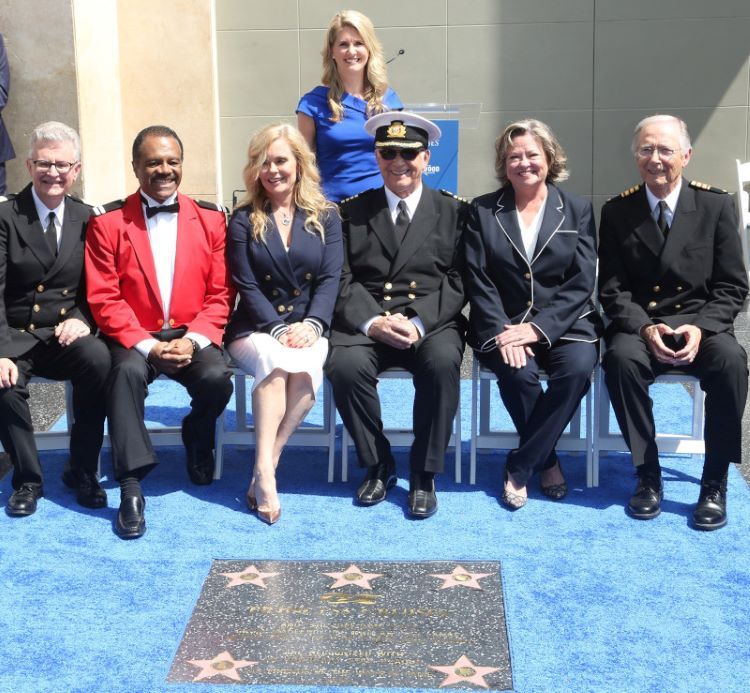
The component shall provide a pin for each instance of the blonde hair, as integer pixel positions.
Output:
(557, 160)
(308, 196)
(376, 72)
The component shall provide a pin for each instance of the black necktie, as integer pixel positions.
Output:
(402, 221)
(51, 234)
(152, 211)
(661, 222)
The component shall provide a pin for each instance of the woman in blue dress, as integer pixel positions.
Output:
(332, 116)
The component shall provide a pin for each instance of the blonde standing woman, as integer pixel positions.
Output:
(332, 116)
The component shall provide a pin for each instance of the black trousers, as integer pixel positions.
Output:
(207, 380)
(721, 368)
(541, 416)
(434, 363)
(86, 364)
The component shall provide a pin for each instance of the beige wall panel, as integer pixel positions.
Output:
(311, 61)
(235, 135)
(477, 150)
(670, 9)
(717, 135)
(41, 56)
(382, 13)
(418, 76)
(526, 66)
(666, 74)
(172, 85)
(239, 15)
(258, 72)
(512, 11)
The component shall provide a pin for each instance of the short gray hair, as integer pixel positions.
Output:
(52, 131)
(685, 144)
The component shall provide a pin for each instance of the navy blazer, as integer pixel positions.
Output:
(277, 286)
(696, 276)
(553, 290)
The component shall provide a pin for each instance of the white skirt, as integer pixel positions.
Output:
(258, 354)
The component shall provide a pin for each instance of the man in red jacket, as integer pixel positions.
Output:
(159, 290)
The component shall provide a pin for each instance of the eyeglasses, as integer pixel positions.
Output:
(665, 153)
(60, 166)
(406, 154)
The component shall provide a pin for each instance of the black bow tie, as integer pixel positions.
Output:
(152, 211)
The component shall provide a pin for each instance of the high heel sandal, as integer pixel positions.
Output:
(511, 500)
(555, 491)
(268, 515)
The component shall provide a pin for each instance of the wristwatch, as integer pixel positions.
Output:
(196, 346)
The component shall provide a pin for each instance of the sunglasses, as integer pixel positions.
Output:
(406, 154)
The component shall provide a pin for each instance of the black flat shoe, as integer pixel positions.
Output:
(422, 500)
(378, 480)
(711, 511)
(89, 492)
(22, 501)
(131, 522)
(200, 463)
(555, 491)
(645, 503)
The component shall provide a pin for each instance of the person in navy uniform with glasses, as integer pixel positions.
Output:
(672, 281)
(399, 304)
(45, 324)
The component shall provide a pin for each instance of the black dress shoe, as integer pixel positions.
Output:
(130, 522)
(22, 501)
(645, 504)
(89, 492)
(200, 463)
(377, 481)
(711, 511)
(422, 498)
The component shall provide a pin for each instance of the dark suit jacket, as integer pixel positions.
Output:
(695, 277)
(38, 290)
(276, 286)
(422, 277)
(6, 148)
(553, 290)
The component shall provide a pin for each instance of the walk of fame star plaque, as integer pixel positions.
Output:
(430, 624)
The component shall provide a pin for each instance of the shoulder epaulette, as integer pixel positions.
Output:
(5, 198)
(448, 193)
(626, 193)
(78, 199)
(214, 206)
(109, 207)
(349, 199)
(705, 186)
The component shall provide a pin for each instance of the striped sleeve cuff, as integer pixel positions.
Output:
(277, 331)
(315, 324)
(489, 345)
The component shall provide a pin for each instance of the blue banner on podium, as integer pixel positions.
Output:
(442, 171)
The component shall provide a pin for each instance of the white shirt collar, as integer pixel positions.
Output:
(670, 199)
(153, 203)
(411, 201)
(43, 211)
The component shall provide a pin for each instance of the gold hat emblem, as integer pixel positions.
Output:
(396, 129)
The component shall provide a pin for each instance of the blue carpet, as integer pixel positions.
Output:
(595, 601)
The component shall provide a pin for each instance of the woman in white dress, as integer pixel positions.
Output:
(285, 255)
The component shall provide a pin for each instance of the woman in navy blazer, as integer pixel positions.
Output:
(531, 270)
(285, 255)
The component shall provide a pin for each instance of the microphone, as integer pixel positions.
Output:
(400, 52)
